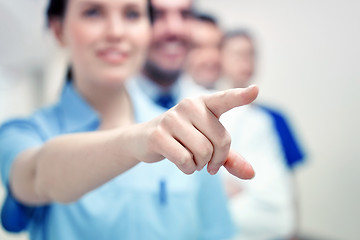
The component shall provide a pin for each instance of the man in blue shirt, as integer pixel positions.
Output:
(168, 50)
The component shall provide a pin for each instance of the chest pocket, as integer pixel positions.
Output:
(151, 201)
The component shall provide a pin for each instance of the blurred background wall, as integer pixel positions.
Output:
(31, 66)
(308, 66)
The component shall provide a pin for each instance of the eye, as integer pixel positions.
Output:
(186, 14)
(132, 14)
(158, 14)
(92, 12)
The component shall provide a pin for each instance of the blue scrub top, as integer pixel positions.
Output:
(150, 201)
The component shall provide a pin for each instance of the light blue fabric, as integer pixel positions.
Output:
(150, 201)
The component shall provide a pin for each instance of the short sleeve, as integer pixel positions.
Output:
(294, 153)
(15, 137)
(215, 219)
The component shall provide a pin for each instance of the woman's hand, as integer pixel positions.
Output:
(191, 136)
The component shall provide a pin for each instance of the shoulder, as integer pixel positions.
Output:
(246, 117)
(39, 123)
(275, 113)
(278, 118)
(189, 89)
(18, 135)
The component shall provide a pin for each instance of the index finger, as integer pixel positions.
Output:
(221, 102)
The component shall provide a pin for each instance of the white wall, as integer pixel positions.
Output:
(309, 66)
(12, 105)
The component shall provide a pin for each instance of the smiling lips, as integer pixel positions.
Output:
(112, 55)
(172, 49)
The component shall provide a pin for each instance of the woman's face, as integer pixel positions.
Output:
(106, 39)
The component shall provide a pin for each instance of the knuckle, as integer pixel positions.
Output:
(184, 160)
(223, 94)
(187, 104)
(169, 119)
(205, 151)
(225, 141)
(216, 163)
(156, 137)
(185, 163)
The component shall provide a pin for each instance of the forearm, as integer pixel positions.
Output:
(67, 167)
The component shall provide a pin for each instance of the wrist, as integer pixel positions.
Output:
(124, 147)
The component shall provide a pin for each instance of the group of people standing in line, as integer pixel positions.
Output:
(218, 61)
(134, 147)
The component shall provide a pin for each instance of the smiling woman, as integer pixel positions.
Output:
(106, 39)
(76, 170)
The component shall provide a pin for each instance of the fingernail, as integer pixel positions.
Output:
(213, 171)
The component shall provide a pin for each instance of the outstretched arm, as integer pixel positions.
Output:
(190, 135)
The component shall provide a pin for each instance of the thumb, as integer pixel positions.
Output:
(238, 166)
(223, 101)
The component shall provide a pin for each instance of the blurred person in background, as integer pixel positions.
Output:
(203, 63)
(162, 80)
(79, 169)
(239, 65)
(266, 207)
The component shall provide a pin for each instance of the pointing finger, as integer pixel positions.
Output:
(223, 101)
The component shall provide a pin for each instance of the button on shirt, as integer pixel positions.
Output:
(150, 201)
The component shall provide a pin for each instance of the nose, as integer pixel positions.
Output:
(114, 28)
(212, 54)
(176, 24)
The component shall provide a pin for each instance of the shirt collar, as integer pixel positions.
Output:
(153, 90)
(145, 108)
(77, 114)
